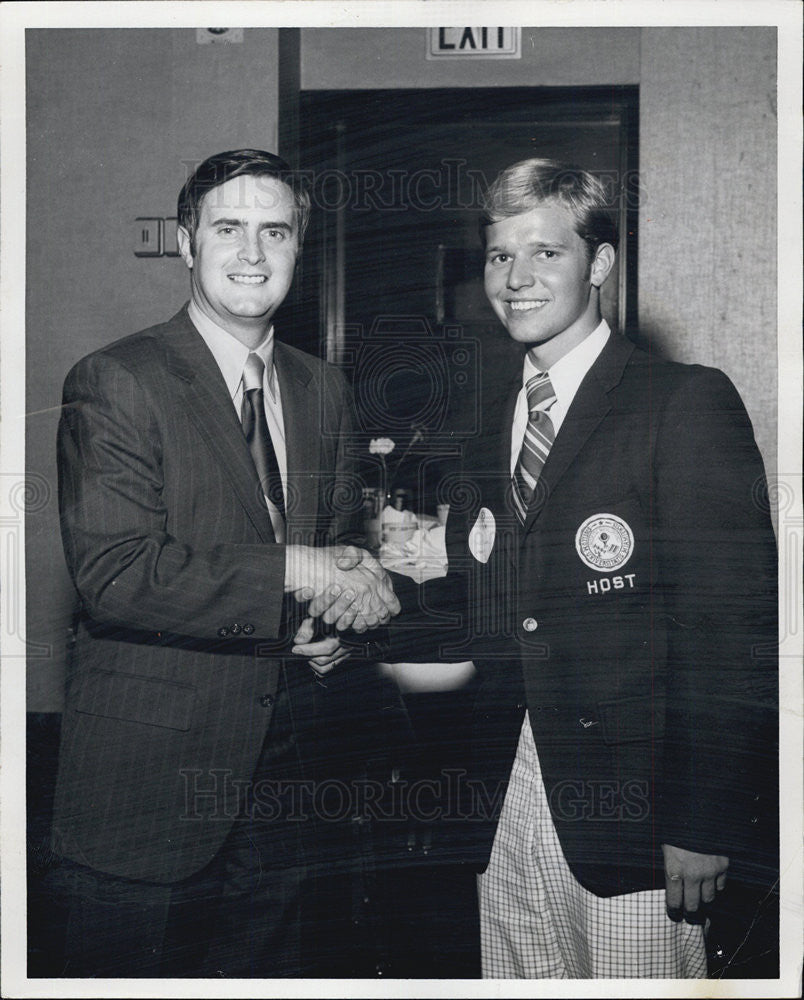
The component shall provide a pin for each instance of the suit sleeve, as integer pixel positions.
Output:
(127, 567)
(717, 566)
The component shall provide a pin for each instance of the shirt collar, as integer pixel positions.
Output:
(229, 353)
(568, 372)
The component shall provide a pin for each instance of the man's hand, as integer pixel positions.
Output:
(691, 879)
(322, 655)
(344, 585)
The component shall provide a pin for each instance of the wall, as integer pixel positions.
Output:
(707, 233)
(113, 117)
(375, 58)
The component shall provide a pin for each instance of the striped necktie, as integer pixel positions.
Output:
(539, 436)
(255, 427)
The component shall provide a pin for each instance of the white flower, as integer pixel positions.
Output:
(381, 446)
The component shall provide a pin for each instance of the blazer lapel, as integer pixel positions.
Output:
(209, 407)
(505, 498)
(588, 408)
(302, 409)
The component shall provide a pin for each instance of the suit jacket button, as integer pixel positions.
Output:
(234, 629)
(248, 629)
(530, 624)
(223, 632)
(267, 700)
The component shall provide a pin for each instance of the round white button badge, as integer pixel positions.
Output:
(530, 624)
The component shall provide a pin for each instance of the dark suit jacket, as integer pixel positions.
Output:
(650, 679)
(169, 544)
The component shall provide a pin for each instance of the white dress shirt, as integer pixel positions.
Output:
(566, 376)
(230, 356)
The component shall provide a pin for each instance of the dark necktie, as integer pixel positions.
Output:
(539, 436)
(255, 427)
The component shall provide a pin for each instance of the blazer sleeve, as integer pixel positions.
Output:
(717, 565)
(434, 625)
(129, 570)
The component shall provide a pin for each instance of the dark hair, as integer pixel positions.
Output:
(222, 167)
(529, 183)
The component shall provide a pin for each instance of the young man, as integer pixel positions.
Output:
(624, 567)
(198, 464)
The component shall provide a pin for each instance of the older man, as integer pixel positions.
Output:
(198, 464)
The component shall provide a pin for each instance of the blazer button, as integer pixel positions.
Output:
(248, 629)
(530, 624)
(223, 632)
(234, 629)
(267, 700)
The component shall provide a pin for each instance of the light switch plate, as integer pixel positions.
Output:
(148, 236)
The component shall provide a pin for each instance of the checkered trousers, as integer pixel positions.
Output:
(538, 922)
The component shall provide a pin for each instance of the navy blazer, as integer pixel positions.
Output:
(169, 543)
(635, 616)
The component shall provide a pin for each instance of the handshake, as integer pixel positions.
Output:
(345, 586)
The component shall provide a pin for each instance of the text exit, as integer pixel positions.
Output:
(483, 43)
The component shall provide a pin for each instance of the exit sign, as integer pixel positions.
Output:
(473, 43)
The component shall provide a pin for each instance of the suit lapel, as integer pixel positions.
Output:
(208, 405)
(302, 409)
(588, 408)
